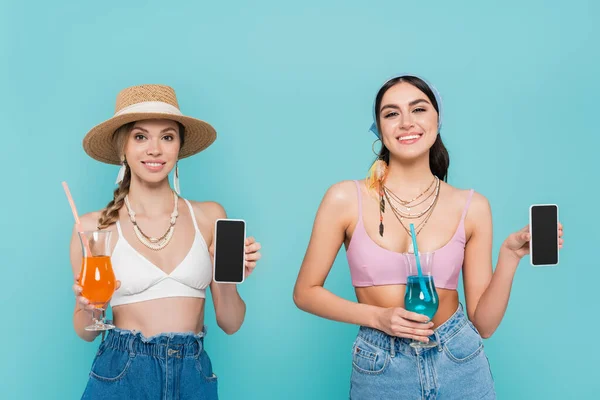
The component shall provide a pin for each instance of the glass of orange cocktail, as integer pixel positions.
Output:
(97, 277)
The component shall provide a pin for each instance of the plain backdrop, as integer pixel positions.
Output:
(289, 88)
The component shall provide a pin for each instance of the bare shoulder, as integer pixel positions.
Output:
(479, 215)
(479, 203)
(479, 208)
(342, 193)
(208, 210)
(340, 203)
(479, 218)
(89, 221)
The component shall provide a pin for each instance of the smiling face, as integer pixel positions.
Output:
(408, 121)
(152, 149)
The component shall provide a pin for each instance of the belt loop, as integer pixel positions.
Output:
(199, 341)
(437, 339)
(130, 345)
(202, 336)
(393, 346)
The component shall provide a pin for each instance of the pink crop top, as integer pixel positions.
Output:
(372, 265)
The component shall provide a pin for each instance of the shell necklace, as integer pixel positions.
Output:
(153, 243)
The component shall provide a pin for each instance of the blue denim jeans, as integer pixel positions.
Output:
(386, 367)
(168, 366)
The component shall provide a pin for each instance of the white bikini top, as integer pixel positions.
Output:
(142, 280)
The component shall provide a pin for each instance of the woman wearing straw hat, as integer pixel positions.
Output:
(402, 354)
(162, 249)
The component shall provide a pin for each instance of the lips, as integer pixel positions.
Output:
(154, 166)
(409, 138)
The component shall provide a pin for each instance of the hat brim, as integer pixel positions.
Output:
(98, 143)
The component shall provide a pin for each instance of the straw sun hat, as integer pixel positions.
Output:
(146, 102)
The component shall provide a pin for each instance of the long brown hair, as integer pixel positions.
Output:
(110, 214)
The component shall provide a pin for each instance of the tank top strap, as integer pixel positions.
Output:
(469, 197)
(193, 215)
(359, 194)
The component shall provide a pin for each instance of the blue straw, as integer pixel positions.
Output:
(418, 260)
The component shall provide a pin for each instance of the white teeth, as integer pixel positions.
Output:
(153, 164)
(411, 137)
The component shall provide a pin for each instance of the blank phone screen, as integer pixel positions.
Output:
(229, 251)
(544, 235)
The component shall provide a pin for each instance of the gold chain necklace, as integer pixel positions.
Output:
(390, 196)
(410, 204)
(420, 226)
(407, 202)
(148, 241)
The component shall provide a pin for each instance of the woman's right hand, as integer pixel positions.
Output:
(82, 302)
(399, 322)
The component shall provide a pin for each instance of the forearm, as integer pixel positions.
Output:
(230, 310)
(492, 304)
(319, 301)
(81, 319)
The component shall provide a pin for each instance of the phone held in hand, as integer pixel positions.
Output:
(543, 226)
(229, 251)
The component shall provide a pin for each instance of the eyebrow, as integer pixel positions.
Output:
(412, 103)
(146, 131)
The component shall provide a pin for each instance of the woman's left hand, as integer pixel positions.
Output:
(252, 254)
(518, 242)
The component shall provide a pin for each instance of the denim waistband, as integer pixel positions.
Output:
(441, 334)
(174, 344)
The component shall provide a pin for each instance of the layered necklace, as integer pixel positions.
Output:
(404, 209)
(153, 243)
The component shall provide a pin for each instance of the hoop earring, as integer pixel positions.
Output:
(373, 146)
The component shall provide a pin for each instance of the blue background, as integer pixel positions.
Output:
(289, 88)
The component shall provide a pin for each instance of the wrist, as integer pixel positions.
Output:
(376, 318)
(227, 289)
(509, 256)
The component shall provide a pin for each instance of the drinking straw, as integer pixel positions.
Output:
(77, 222)
(418, 260)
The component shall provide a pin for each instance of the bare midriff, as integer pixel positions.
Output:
(152, 317)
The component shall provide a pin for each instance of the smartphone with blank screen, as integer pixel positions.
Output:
(543, 226)
(229, 252)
